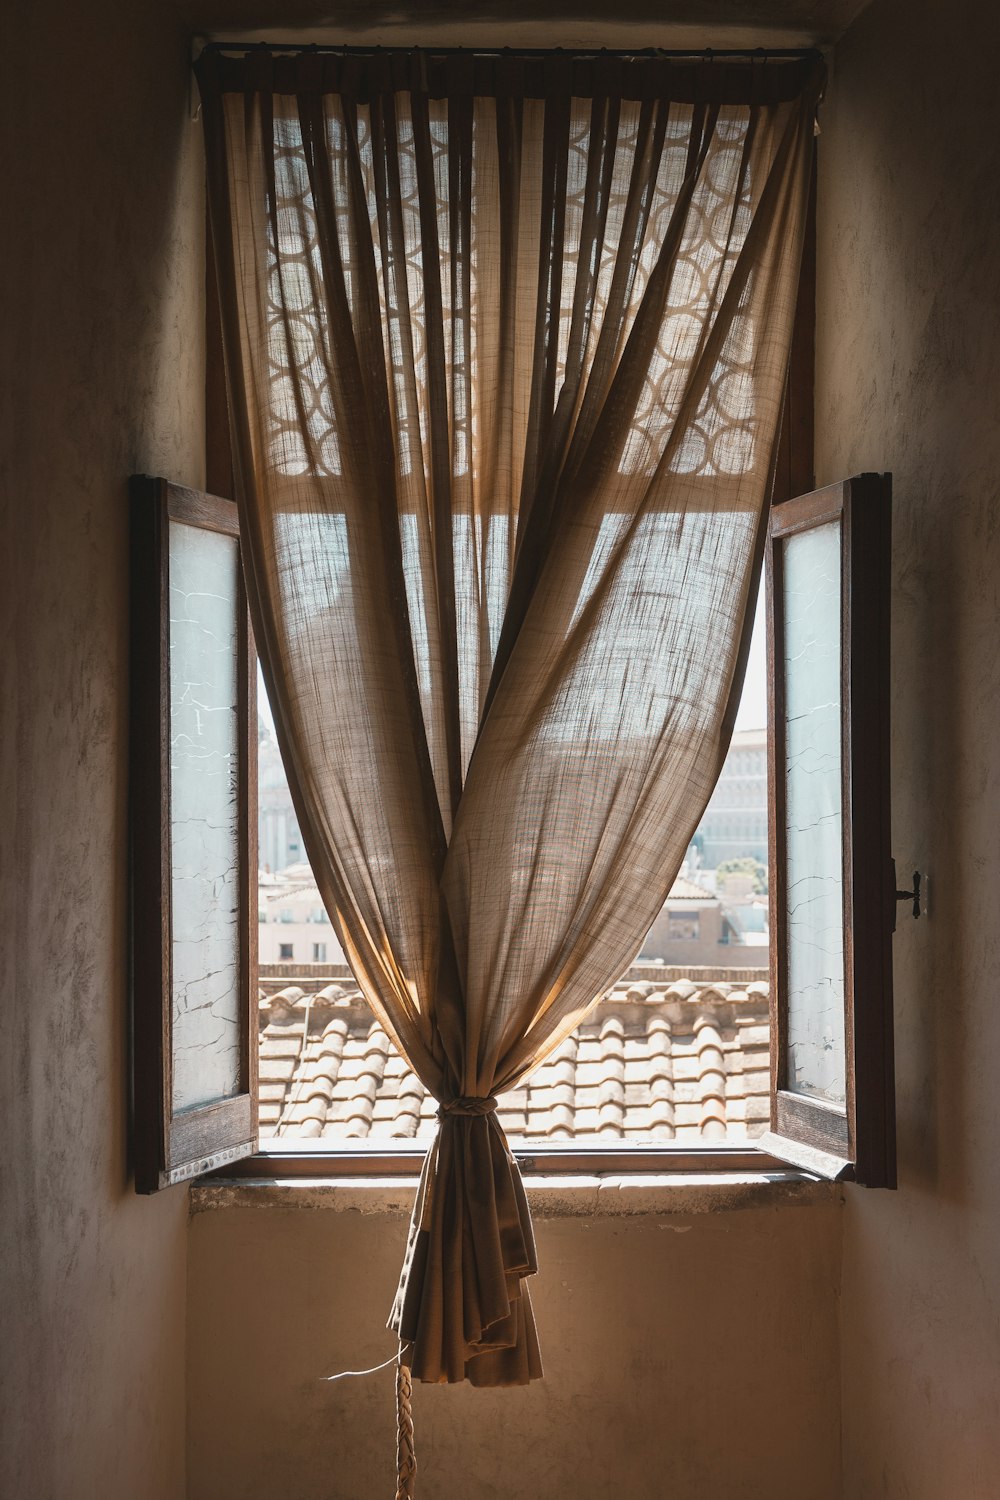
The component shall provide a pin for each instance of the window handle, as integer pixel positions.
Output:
(913, 895)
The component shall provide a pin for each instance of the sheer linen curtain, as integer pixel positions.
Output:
(506, 340)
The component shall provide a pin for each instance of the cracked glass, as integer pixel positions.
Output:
(204, 792)
(814, 835)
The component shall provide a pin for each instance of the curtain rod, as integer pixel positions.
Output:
(705, 53)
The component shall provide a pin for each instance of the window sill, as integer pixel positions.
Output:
(299, 1157)
(550, 1197)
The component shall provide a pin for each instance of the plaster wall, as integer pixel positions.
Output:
(908, 374)
(102, 288)
(686, 1354)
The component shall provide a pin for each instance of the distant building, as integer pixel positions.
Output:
(695, 929)
(279, 841)
(293, 927)
(735, 820)
(697, 925)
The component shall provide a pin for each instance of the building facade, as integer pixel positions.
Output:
(735, 820)
(279, 840)
(292, 924)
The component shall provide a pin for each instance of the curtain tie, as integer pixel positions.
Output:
(470, 1107)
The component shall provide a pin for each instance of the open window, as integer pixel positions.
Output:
(193, 773)
(832, 885)
(832, 889)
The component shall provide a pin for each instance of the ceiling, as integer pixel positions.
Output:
(567, 23)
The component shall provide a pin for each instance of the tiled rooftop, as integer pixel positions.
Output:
(667, 1055)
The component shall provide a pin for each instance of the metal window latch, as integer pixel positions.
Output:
(913, 895)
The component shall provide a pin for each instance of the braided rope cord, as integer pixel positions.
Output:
(406, 1458)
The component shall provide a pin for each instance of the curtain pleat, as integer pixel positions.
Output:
(505, 341)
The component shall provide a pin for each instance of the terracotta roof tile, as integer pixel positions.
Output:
(663, 1057)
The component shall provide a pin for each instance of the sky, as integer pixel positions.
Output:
(753, 705)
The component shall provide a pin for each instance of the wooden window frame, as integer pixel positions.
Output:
(856, 1141)
(298, 1160)
(793, 472)
(170, 1146)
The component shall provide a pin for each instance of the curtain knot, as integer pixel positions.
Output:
(470, 1107)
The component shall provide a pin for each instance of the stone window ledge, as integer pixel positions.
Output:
(563, 1196)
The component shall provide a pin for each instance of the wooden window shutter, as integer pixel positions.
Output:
(193, 799)
(832, 884)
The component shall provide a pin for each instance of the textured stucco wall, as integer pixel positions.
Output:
(101, 351)
(686, 1355)
(909, 380)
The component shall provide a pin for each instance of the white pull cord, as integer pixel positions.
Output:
(373, 1371)
(406, 1461)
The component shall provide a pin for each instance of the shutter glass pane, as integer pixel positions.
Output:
(814, 836)
(204, 784)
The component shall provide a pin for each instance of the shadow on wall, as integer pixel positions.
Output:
(103, 240)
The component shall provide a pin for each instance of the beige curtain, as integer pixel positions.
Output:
(506, 341)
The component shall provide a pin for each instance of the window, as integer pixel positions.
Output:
(833, 884)
(831, 892)
(683, 924)
(193, 773)
(782, 1104)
